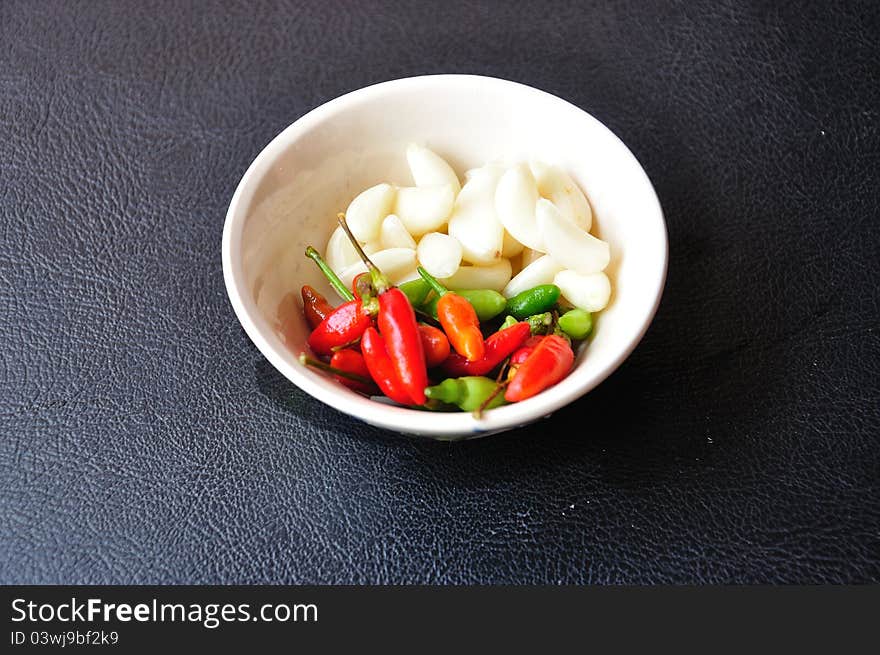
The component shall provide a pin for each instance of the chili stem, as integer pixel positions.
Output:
(380, 282)
(343, 346)
(478, 412)
(334, 280)
(308, 361)
(503, 369)
(438, 288)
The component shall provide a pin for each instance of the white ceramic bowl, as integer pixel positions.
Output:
(289, 197)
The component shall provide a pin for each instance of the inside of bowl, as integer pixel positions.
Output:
(315, 168)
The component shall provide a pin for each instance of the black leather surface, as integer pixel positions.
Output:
(145, 439)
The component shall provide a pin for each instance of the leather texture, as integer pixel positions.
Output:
(146, 440)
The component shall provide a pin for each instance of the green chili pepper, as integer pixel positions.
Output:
(508, 321)
(576, 323)
(468, 393)
(415, 290)
(533, 301)
(487, 303)
(541, 323)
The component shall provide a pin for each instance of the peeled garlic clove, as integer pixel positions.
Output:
(430, 169)
(366, 211)
(510, 247)
(394, 235)
(480, 277)
(558, 187)
(439, 254)
(529, 255)
(392, 262)
(515, 199)
(588, 292)
(568, 244)
(406, 276)
(372, 247)
(424, 209)
(474, 221)
(340, 253)
(541, 271)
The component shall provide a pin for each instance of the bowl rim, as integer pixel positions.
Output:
(401, 419)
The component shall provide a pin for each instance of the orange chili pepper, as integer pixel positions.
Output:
(459, 320)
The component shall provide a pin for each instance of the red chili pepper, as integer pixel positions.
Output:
(351, 361)
(435, 344)
(498, 346)
(381, 367)
(550, 361)
(397, 323)
(459, 320)
(315, 306)
(342, 326)
(353, 375)
(522, 353)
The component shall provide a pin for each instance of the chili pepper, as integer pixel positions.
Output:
(550, 361)
(334, 280)
(541, 323)
(397, 323)
(350, 374)
(521, 354)
(533, 301)
(576, 323)
(349, 360)
(361, 285)
(498, 346)
(486, 303)
(381, 367)
(416, 291)
(342, 326)
(363, 289)
(467, 393)
(435, 344)
(459, 320)
(315, 306)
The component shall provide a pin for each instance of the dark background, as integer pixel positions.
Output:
(146, 440)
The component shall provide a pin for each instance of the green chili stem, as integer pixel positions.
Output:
(334, 280)
(308, 361)
(438, 288)
(380, 282)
